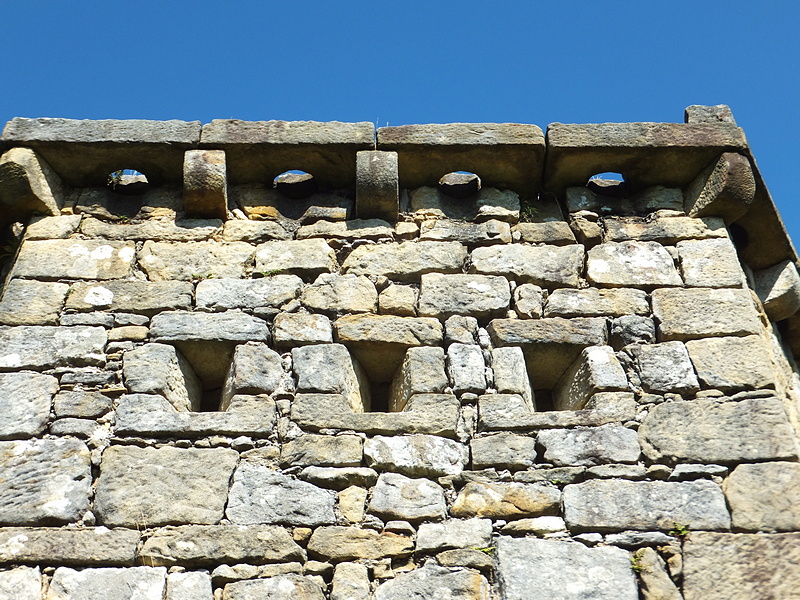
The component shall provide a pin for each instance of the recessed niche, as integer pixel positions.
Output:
(460, 185)
(295, 184)
(127, 182)
(608, 183)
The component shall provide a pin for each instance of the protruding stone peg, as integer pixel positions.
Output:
(778, 287)
(205, 184)
(377, 185)
(726, 189)
(28, 185)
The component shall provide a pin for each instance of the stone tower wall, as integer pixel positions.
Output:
(376, 384)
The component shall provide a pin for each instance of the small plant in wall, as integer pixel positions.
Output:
(680, 531)
(636, 561)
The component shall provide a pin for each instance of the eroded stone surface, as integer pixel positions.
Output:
(161, 369)
(398, 497)
(687, 314)
(732, 363)
(348, 543)
(281, 587)
(35, 347)
(548, 266)
(469, 533)
(74, 259)
(22, 583)
(407, 261)
(765, 496)
(503, 451)
(335, 294)
(223, 293)
(480, 296)
(585, 447)
(505, 500)
(140, 297)
(593, 302)
(432, 581)
(164, 261)
(71, 547)
(416, 455)
(665, 368)
(32, 302)
(710, 263)
(631, 264)
(307, 258)
(139, 583)
(25, 400)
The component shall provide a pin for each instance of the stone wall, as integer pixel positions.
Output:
(371, 383)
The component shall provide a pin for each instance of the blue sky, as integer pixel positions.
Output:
(413, 62)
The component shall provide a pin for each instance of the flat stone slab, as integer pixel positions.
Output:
(140, 583)
(506, 500)
(564, 570)
(337, 294)
(69, 547)
(348, 543)
(36, 347)
(406, 262)
(732, 363)
(467, 533)
(164, 230)
(185, 485)
(223, 294)
(32, 302)
(25, 400)
(586, 447)
(138, 297)
(609, 505)
(664, 230)
(710, 263)
(688, 314)
(161, 369)
(416, 455)
(665, 368)
(547, 266)
(708, 431)
(166, 261)
(280, 587)
(503, 450)
(432, 581)
(44, 482)
(306, 258)
(474, 234)
(765, 496)
(631, 264)
(356, 229)
(488, 204)
(479, 296)
(231, 326)
(593, 302)
(74, 259)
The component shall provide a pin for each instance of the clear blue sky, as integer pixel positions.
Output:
(413, 62)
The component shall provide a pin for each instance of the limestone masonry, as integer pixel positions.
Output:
(298, 360)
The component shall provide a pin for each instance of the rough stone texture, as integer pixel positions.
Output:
(470, 533)
(398, 300)
(592, 302)
(351, 503)
(339, 478)
(322, 450)
(377, 186)
(422, 372)
(474, 234)
(230, 326)
(46, 228)
(22, 583)
(336, 294)
(632, 329)
(300, 329)
(505, 500)
(710, 263)
(189, 586)
(596, 370)
(406, 262)
(255, 369)
(765, 496)
(416, 455)
(466, 368)
(353, 230)
(261, 495)
(665, 368)
(329, 368)
(461, 330)
(726, 188)
(222, 294)
(306, 258)
(732, 363)
(584, 447)
(161, 369)
(556, 233)
(71, 547)
(36, 347)
(480, 296)
(185, 485)
(398, 497)
(206, 545)
(604, 196)
(432, 581)
(726, 566)
(708, 431)
(350, 582)
(614, 505)
(347, 543)
(164, 229)
(565, 570)
(631, 264)
(139, 297)
(74, 259)
(528, 301)
(687, 314)
(253, 232)
(81, 404)
(503, 451)
(205, 183)
(32, 302)
(44, 481)
(547, 266)
(25, 400)
(664, 230)
(281, 587)
(28, 185)
(778, 288)
(164, 261)
(488, 204)
(511, 375)
(655, 583)
(133, 583)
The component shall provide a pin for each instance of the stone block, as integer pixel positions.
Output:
(377, 186)
(503, 451)
(432, 581)
(555, 233)
(664, 230)
(69, 547)
(593, 302)
(165, 261)
(479, 296)
(487, 204)
(193, 585)
(166, 229)
(138, 297)
(505, 500)
(350, 582)
(161, 369)
(49, 228)
(398, 497)
(28, 185)
(547, 266)
(184, 485)
(607, 505)
(400, 300)
(466, 368)
(732, 363)
(632, 329)
(335, 294)
(707, 431)
(260, 495)
(349, 543)
(230, 326)
(596, 370)
(25, 400)
(222, 294)
(469, 533)
(528, 301)
(407, 261)
(253, 232)
(730, 566)
(205, 184)
(80, 403)
(687, 314)
(301, 329)
(280, 587)
(586, 447)
(351, 231)
(36, 347)
(607, 197)
(764, 496)
(422, 372)
(127, 583)
(511, 375)
(537, 525)
(699, 113)
(550, 345)
(725, 188)
(306, 258)
(74, 259)
(330, 369)
(207, 545)
(339, 478)
(665, 368)
(255, 369)
(710, 263)
(472, 234)
(32, 302)
(44, 482)
(631, 264)
(322, 450)
(565, 570)
(416, 455)
(22, 583)
(778, 288)
(351, 502)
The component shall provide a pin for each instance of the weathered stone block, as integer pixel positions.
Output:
(161, 369)
(406, 262)
(253, 232)
(631, 264)
(350, 582)
(422, 372)
(665, 368)
(322, 450)
(49, 228)
(488, 204)
(664, 230)
(398, 300)
(28, 185)
(469, 533)
(138, 297)
(593, 302)
(586, 447)
(511, 375)
(280, 587)
(70, 547)
(416, 455)
(398, 497)
(548, 266)
(778, 288)
(74, 259)
(710, 263)
(300, 329)
(443, 296)
(44, 481)
(165, 261)
(461, 330)
(167, 229)
(708, 431)
(145, 583)
(306, 258)
(466, 368)
(432, 581)
(503, 451)
(351, 230)
(81, 403)
(732, 363)
(596, 370)
(329, 369)
(336, 294)
(505, 500)
(205, 183)
(687, 314)
(472, 234)
(184, 485)
(348, 543)
(377, 185)
(765, 496)
(607, 196)
(22, 583)
(25, 400)
(192, 585)
(555, 233)
(35, 347)
(32, 302)
(231, 326)
(339, 478)
(224, 294)
(726, 188)
(615, 505)
(700, 113)
(632, 329)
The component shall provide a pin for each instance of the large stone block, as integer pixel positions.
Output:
(184, 485)
(503, 451)
(548, 266)
(422, 372)
(406, 261)
(223, 294)
(350, 582)
(280, 587)
(306, 258)
(556, 233)
(631, 264)
(593, 302)
(432, 581)
(479, 296)
(664, 368)
(22, 583)
(28, 185)
(71, 547)
(25, 401)
(336, 294)
(329, 369)
(44, 481)
(729, 566)
(487, 204)
(398, 497)
(349, 543)
(205, 183)
(377, 186)
(710, 263)
(322, 450)
(166, 229)
(74, 259)
(161, 369)
(725, 188)
(615, 505)
(765, 496)
(511, 374)
(778, 288)
(687, 314)
(131, 583)
(506, 500)
(466, 368)
(139, 297)
(732, 363)
(32, 302)
(664, 230)
(253, 232)
(586, 447)
(472, 234)
(301, 329)
(416, 455)
(707, 431)
(191, 585)
(596, 370)
(165, 261)
(469, 533)
(351, 230)
(255, 369)
(564, 570)
(36, 347)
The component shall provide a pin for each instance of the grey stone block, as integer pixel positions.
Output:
(306, 258)
(74, 259)
(205, 184)
(593, 302)
(36, 347)
(223, 294)
(764, 496)
(432, 581)
(193, 585)
(687, 314)
(416, 455)
(25, 400)
(595, 370)
(349, 543)
(255, 369)
(466, 368)
(322, 451)
(110, 583)
(664, 230)
(422, 372)
(631, 264)
(165, 261)
(70, 547)
(398, 497)
(472, 234)
(505, 500)
(138, 297)
(253, 232)
(22, 583)
(330, 369)
(665, 368)
(167, 229)
(732, 363)
(81, 403)
(710, 263)
(725, 188)
(547, 266)
(280, 587)
(479, 296)
(337, 294)
(511, 375)
(161, 369)
(503, 451)
(586, 447)
(49, 228)
(300, 329)
(377, 187)
(407, 261)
